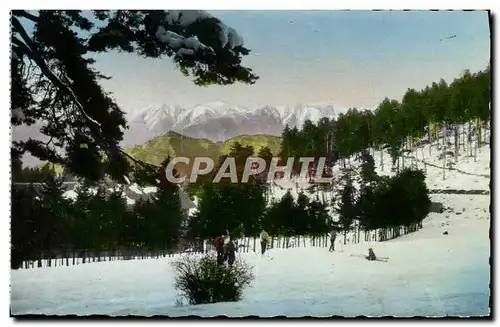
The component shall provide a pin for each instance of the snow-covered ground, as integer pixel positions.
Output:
(428, 274)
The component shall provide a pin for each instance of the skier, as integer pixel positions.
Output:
(264, 240)
(371, 255)
(333, 236)
(229, 251)
(219, 247)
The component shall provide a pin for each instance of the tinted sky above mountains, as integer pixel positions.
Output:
(347, 58)
(344, 58)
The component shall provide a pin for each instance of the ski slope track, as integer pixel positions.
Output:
(427, 274)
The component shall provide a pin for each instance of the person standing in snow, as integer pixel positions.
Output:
(333, 236)
(219, 248)
(229, 251)
(264, 240)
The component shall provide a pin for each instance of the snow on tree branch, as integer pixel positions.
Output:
(179, 43)
(183, 18)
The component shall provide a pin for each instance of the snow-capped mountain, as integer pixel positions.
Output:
(219, 121)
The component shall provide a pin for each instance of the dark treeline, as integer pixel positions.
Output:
(37, 174)
(30, 174)
(45, 224)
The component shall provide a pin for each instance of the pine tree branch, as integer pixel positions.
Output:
(47, 72)
(25, 14)
(28, 48)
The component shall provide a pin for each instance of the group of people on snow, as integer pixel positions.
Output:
(333, 235)
(226, 249)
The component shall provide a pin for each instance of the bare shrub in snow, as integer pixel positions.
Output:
(201, 281)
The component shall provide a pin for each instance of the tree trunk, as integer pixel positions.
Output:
(479, 129)
(477, 142)
(382, 158)
(464, 141)
(429, 136)
(469, 139)
(444, 163)
(475, 150)
(485, 127)
(430, 140)
(402, 156)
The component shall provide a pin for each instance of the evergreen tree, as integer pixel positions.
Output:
(347, 207)
(25, 213)
(53, 231)
(368, 174)
(318, 218)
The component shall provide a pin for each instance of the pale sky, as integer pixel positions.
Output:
(346, 58)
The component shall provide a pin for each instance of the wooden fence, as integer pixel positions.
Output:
(244, 245)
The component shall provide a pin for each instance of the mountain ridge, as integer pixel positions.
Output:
(219, 121)
(216, 121)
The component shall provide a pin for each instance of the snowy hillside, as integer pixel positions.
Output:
(466, 173)
(219, 121)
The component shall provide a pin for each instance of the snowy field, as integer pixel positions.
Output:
(428, 274)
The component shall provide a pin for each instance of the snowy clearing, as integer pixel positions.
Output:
(428, 274)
